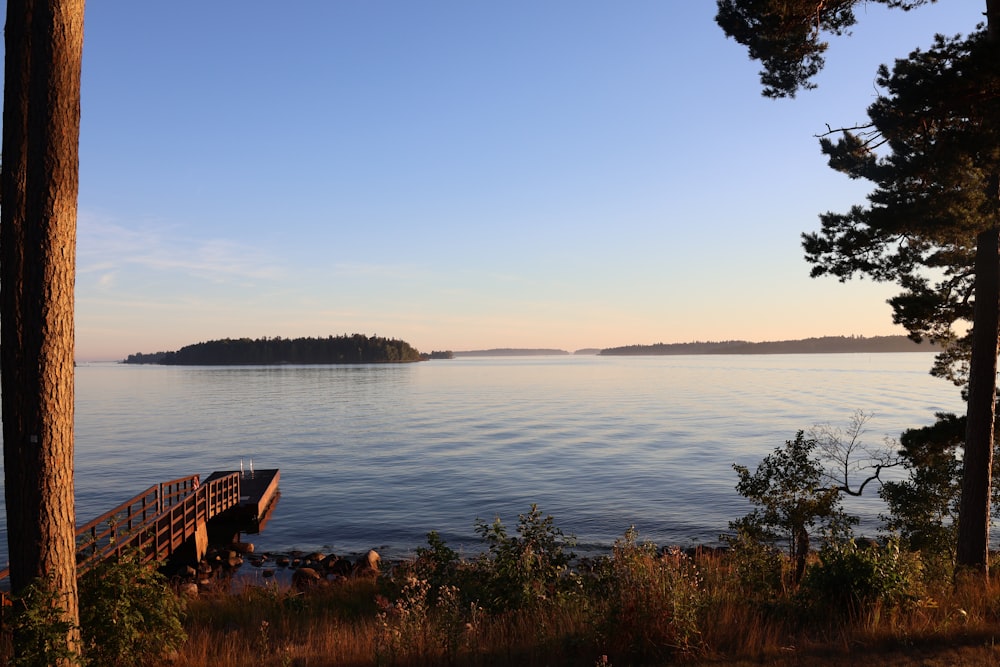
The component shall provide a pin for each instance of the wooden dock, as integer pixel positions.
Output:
(258, 496)
(174, 515)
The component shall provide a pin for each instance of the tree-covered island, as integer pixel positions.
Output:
(344, 349)
(822, 345)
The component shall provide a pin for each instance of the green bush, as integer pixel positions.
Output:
(923, 509)
(851, 581)
(758, 566)
(128, 615)
(39, 628)
(524, 570)
(793, 499)
(437, 564)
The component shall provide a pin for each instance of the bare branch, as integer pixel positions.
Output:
(862, 129)
(844, 455)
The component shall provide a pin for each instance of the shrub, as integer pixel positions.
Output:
(39, 628)
(758, 566)
(923, 509)
(850, 581)
(437, 563)
(791, 499)
(524, 570)
(128, 614)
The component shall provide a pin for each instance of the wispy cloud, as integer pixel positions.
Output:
(106, 249)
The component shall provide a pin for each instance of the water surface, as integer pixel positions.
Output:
(376, 456)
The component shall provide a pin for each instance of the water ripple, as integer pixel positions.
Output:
(380, 455)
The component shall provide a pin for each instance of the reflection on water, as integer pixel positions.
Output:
(377, 456)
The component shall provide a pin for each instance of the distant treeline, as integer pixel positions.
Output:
(354, 349)
(508, 352)
(825, 345)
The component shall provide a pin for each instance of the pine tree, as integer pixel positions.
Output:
(931, 150)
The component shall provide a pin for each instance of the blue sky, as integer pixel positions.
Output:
(460, 174)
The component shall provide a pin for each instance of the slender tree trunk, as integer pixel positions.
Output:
(974, 512)
(39, 184)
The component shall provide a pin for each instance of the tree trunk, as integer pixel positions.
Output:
(801, 552)
(39, 182)
(974, 512)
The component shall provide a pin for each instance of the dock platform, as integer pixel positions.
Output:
(259, 494)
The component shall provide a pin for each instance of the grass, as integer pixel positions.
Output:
(527, 602)
(644, 609)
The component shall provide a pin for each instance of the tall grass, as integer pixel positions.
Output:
(639, 606)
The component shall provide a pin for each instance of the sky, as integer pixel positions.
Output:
(461, 174)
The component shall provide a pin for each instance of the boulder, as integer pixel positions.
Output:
(339, 566)
(243, 548)
(305, 578)
(368, 564)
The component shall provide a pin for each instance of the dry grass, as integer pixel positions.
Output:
(639, 608)
(343, 625)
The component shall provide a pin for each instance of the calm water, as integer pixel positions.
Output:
(376, 456)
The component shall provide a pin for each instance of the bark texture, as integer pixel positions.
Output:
(974, 512)
(39, 184)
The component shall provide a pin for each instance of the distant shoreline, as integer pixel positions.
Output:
(363, 349)
(821, 345)
(511, 352)
(824, 345)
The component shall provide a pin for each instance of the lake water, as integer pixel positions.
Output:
(377, 456)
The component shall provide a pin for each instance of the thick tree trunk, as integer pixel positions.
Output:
(39, 185)
(974, 512)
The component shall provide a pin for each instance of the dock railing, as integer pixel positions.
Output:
(156, 522)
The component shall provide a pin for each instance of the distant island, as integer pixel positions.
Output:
(354, 349)
(509, 352)
(824, 345)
